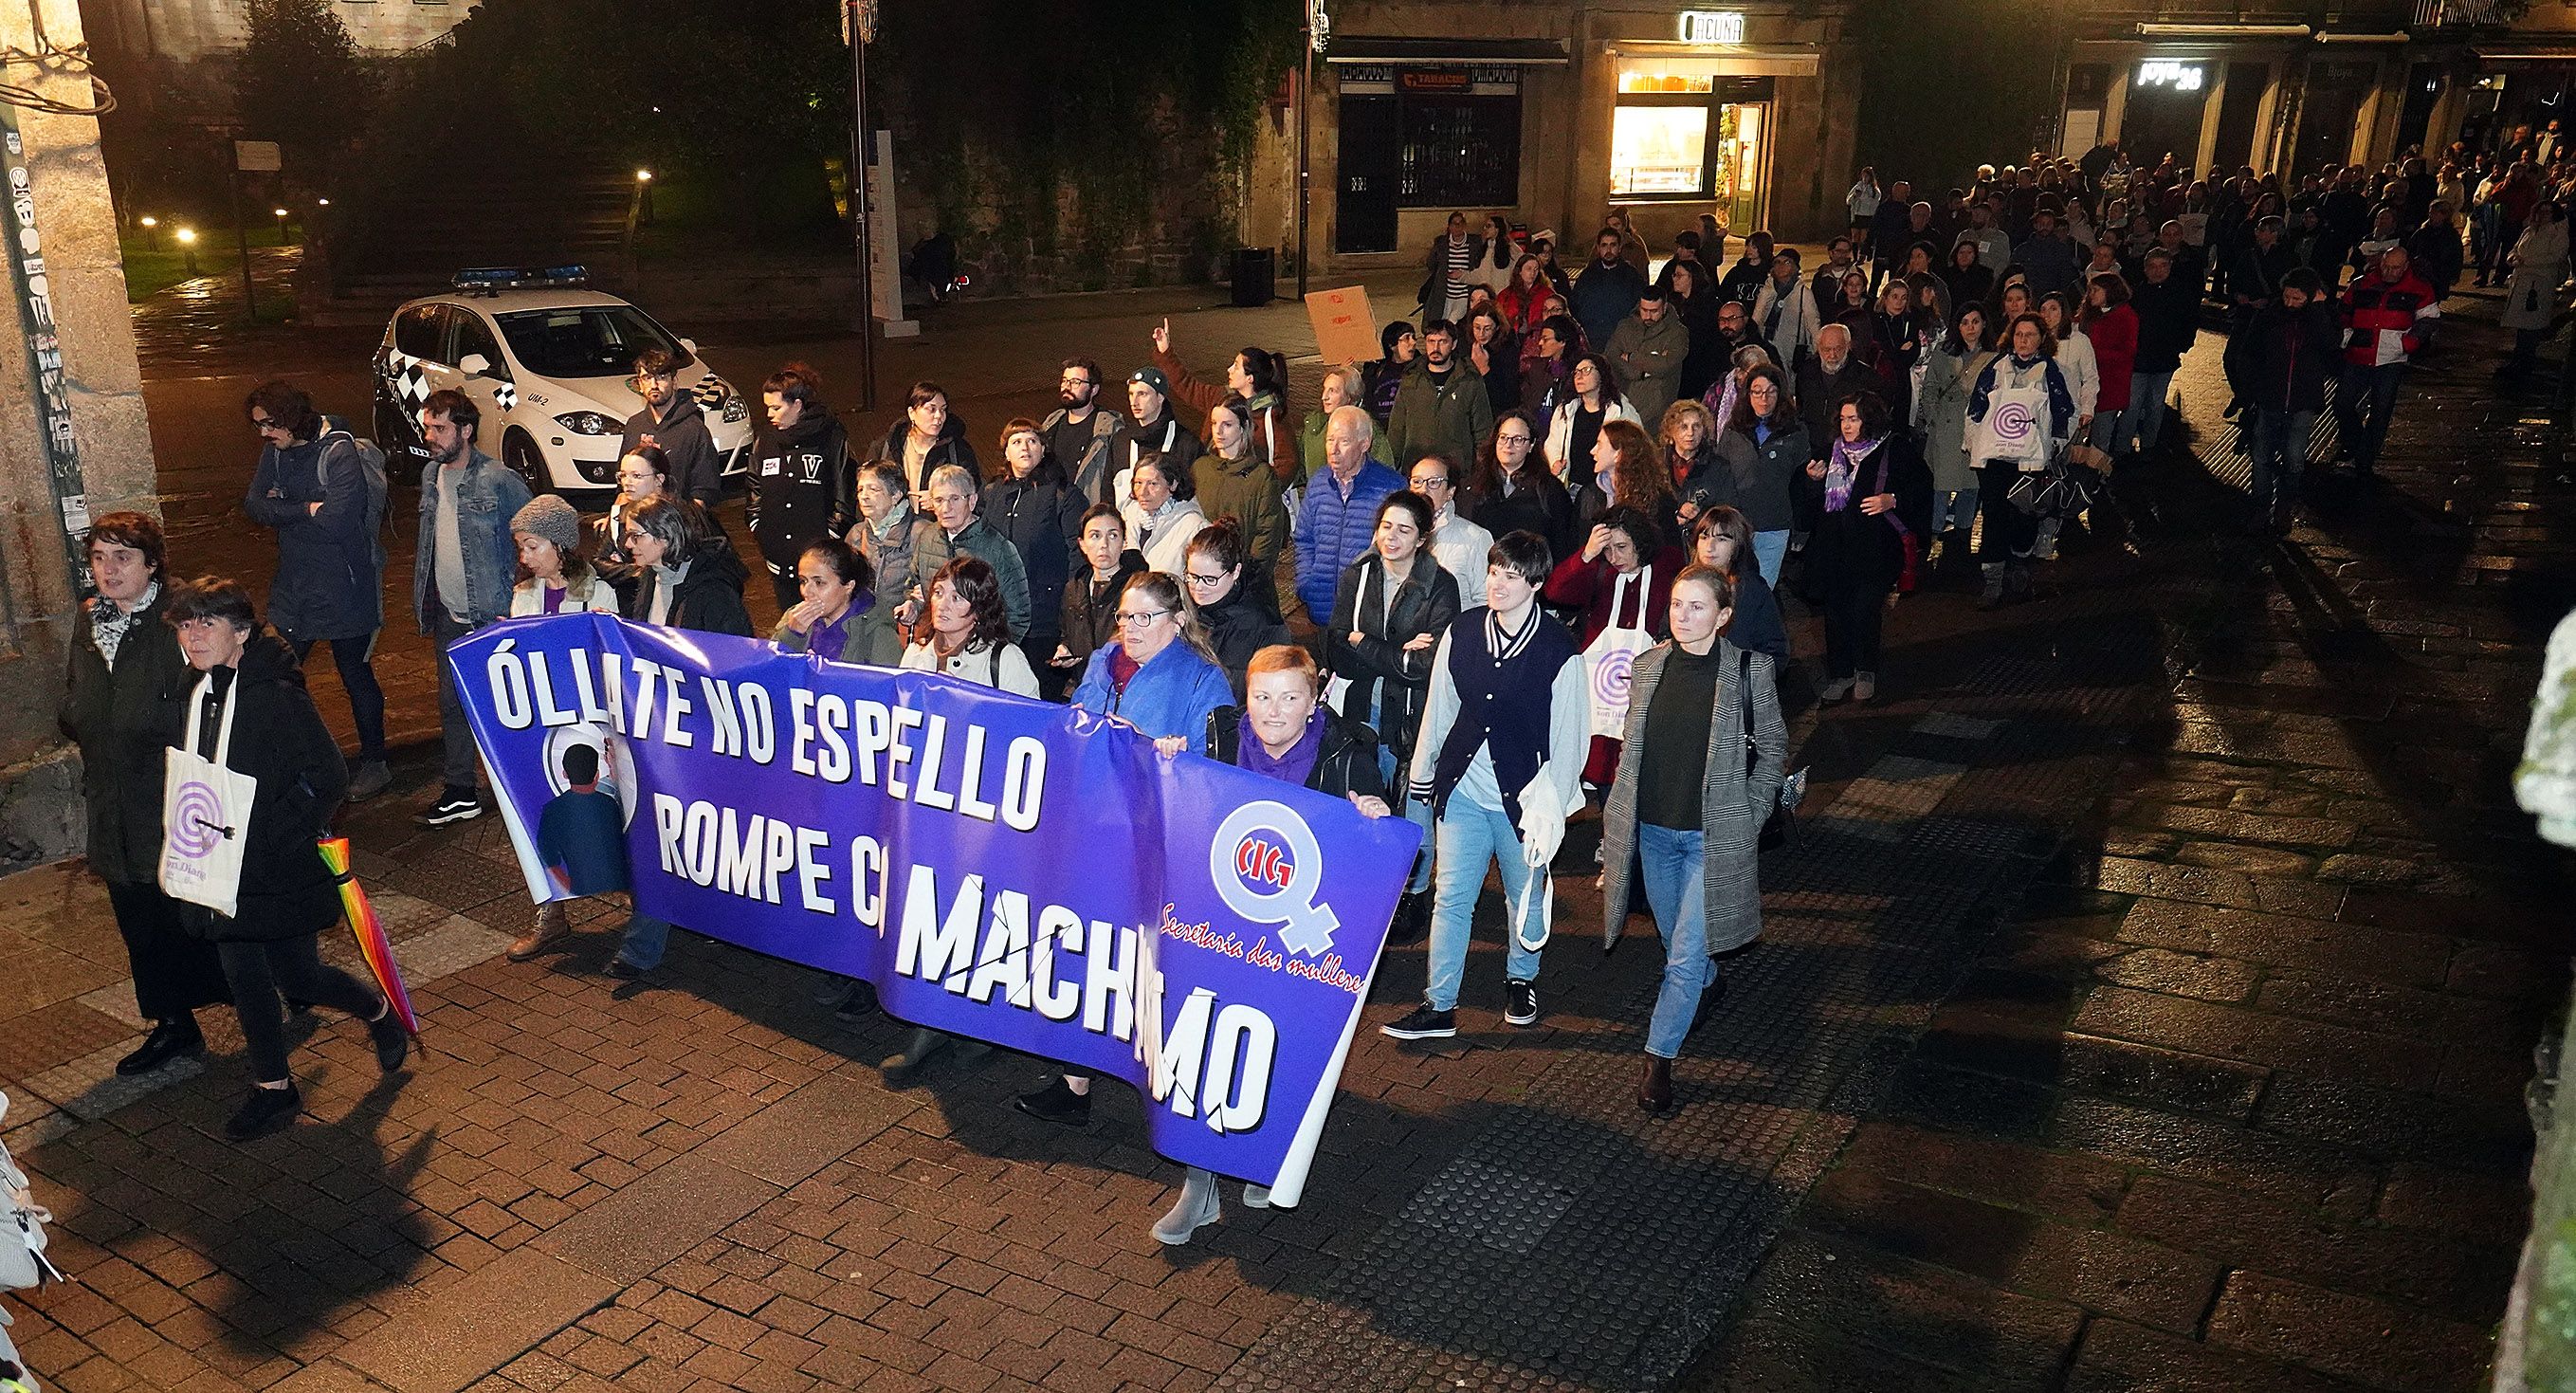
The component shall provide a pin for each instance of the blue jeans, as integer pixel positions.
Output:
(2280, 449)
(646, 938)
(2147, 393)
(2373, 388)
(1951, 510)
(1769, 548)
(1676, 891)
(1419, 814)
(1469, 836)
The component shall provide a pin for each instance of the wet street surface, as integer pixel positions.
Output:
(2146, 1002)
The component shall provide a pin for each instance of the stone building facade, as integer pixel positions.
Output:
(1553, 113)
(69, 351)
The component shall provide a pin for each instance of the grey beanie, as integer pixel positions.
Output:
(553, 519)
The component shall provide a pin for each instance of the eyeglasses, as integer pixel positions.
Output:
(262, 423)
(1434, 481)
(1138, 621)
(1074, 381)
(1204, 581)
(1514, 439)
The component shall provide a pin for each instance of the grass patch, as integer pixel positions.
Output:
(149, 271)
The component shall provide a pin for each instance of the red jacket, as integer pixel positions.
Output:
(2389, 323)
(2115, 352)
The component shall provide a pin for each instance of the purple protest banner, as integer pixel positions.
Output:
(999, 868)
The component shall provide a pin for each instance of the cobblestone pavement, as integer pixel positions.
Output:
(2145, 1004)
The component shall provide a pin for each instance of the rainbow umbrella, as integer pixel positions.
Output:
(372, 944)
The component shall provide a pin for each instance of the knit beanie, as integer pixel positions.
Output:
(553, 519)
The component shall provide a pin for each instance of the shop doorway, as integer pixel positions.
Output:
(2234, 147)
(2166, 101)
(1364, 200)
(2331, 113)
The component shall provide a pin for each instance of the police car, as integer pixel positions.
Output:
(551, 364)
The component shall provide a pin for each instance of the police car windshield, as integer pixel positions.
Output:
(585, 340)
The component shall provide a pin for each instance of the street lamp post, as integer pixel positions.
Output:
(151, 233)
(188, 243)
(281, 225)
(859, 28)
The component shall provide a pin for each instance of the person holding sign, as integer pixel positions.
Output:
(1283, 730)
(1161, 678)
(1701, 762)
(1498, 758)
(238, 840)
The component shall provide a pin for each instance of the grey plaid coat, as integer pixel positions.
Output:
(1733, 799)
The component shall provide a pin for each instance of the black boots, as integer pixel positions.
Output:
(168, 1040)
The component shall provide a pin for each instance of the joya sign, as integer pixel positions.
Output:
(2165, 72)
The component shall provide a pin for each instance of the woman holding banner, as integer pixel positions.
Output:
(1162, 679)
(968, 638)
(1700, 765)
(283, 896)
(1283, 730)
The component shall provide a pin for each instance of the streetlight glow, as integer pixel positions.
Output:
(187, 236)
(643, 176)
(150, 221)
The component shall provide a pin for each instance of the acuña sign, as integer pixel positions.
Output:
(2165, 72)
(1712, 26)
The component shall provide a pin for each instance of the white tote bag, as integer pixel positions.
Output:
(1612, 654)
(205, 812)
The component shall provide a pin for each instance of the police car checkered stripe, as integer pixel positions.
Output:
(409, 378)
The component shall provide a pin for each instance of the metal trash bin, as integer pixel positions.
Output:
(1256, 276)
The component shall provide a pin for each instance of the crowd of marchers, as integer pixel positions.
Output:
(1526, 567)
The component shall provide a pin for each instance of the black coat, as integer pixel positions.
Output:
(122, 720)
(278, 739)
(709, 598)
(2295, 352)
(1042, 520)
(1082, 626)
(697, 471)
(1344, 768)
(802, 489)
(1238, 626)
(1540, 505)
(1423, 604)
(2168, 322)
(1869, 544)
(949, 448)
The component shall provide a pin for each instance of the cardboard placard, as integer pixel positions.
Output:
(1345, 327)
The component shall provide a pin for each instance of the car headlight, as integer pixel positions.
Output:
(590, 423)
(735, 408)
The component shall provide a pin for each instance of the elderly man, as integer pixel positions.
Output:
(953, 493)
(1339, 513)
(1824, 380)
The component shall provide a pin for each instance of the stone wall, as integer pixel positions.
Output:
(40, 813)
(187, 29)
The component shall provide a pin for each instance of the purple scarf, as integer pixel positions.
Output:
(1294, 767)
(1842, 470)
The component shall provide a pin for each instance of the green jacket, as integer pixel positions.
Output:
(1255, 498)
(1452, 417)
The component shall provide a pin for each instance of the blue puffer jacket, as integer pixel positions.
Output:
(1333, 529)
(1171, 694)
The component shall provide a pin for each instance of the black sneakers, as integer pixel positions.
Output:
(452, 806)
(1520, 1003)
(392, 1046)
(1058, 1104)
(1423, 1024)
(266, 1110)
(168, 1040)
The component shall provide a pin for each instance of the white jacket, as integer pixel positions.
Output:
(2083, 375)
(1799, 318)
(1169, 549)
(1004, 667)
(1560, 430)
(590, 594)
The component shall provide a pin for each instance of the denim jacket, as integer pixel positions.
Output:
(487, 497)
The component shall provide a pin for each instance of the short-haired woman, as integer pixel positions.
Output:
(1873, 494)
(121, 707)
(1039, 512)
(690, 578)
(885, 536)
(1282, 730)
(1703, 757)
(271, 945)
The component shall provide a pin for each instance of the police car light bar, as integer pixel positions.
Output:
(492, 280)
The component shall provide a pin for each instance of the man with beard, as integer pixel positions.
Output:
(672, 420)
(1442, 410)
(461, 575)
(1078, 434)
(1154, 431)
(1824, 380)
(801, 482)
